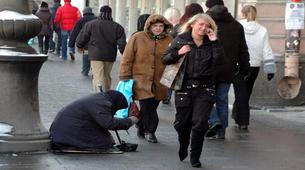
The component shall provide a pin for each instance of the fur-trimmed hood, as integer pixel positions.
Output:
(158, 18)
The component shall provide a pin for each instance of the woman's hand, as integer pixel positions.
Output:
(184, 49)
(211, 34)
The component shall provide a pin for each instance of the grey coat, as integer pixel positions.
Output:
(45, 17)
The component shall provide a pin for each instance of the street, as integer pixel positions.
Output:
(272, 143)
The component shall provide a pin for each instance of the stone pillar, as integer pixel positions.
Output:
(180, 4)
(161, 6)
(94, 4)
(112, 4)
(103, 2)
(121, 12)
(132, 16)
(158, 6)
(147, 7)
(21, 129)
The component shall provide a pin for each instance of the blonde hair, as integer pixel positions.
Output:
(172, 15)
(249, 12)
(187, 26)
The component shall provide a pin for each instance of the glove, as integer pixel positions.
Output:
(134, 110)
(247, 76)
(133, 119)
(270, 76)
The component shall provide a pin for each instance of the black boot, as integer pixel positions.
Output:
(184, 142)
(196, 148)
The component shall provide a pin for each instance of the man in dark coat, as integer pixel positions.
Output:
(104, 37)
(84, 124)
(231, 36)
(87, 16)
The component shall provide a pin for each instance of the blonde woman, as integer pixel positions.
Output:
(194, 101)
(260, 51)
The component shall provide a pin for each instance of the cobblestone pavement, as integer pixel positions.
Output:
(271, 144)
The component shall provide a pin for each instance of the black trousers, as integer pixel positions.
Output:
(149, 119)
(43, 43)
(243, 90)
(193, 108)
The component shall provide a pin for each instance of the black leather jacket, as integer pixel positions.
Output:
(199, 62)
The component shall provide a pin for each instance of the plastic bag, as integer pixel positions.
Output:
(125, 87)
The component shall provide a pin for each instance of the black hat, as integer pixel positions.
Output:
(87, 10)
(44, 4)
(105, 12)
(105, 9)
(211, 3)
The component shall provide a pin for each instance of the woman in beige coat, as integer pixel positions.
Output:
(141, 61)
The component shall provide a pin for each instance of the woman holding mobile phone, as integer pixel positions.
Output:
(196, 94)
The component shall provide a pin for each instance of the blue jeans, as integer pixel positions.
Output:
(86, 65)
(221, 109)
(64, 43)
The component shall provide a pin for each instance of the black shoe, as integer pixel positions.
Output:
(211, 133)
(72, 56)
(182, 153)
(196, 164)
(140, 134)
(151, 138)
(220, 136)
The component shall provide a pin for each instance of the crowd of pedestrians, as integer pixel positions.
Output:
(213, 50)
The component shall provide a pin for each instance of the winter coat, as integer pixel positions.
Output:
(85, 123)
(78, 26)
(67, 16)
(53, 10)
(103, 37)
(45, 17)
(141, 60)
(258, 43)
(231, 37)
(199, 64)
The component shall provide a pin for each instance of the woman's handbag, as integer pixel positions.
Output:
(170, 73)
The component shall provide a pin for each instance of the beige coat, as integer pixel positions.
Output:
(141, 60)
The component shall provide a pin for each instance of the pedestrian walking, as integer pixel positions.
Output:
(66, 16)
(84, 124)
(196, 95)
(259, 50)
(172, 15)
(87, 16)
(44, 35)
(141, 61)
(56, 44)
(141, 22)
(104, 37)
(189, 11)
(236, 62)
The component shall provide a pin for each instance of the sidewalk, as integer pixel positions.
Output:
(275, 140)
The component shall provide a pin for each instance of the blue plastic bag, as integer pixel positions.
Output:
(125, 87)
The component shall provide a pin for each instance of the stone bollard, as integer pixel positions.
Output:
(21, 129)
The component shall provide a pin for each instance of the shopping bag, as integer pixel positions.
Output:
(125, 87)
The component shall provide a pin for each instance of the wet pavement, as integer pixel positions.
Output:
(275, 140)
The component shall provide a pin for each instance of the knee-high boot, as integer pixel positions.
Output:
(184, 141)
(196, 147)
